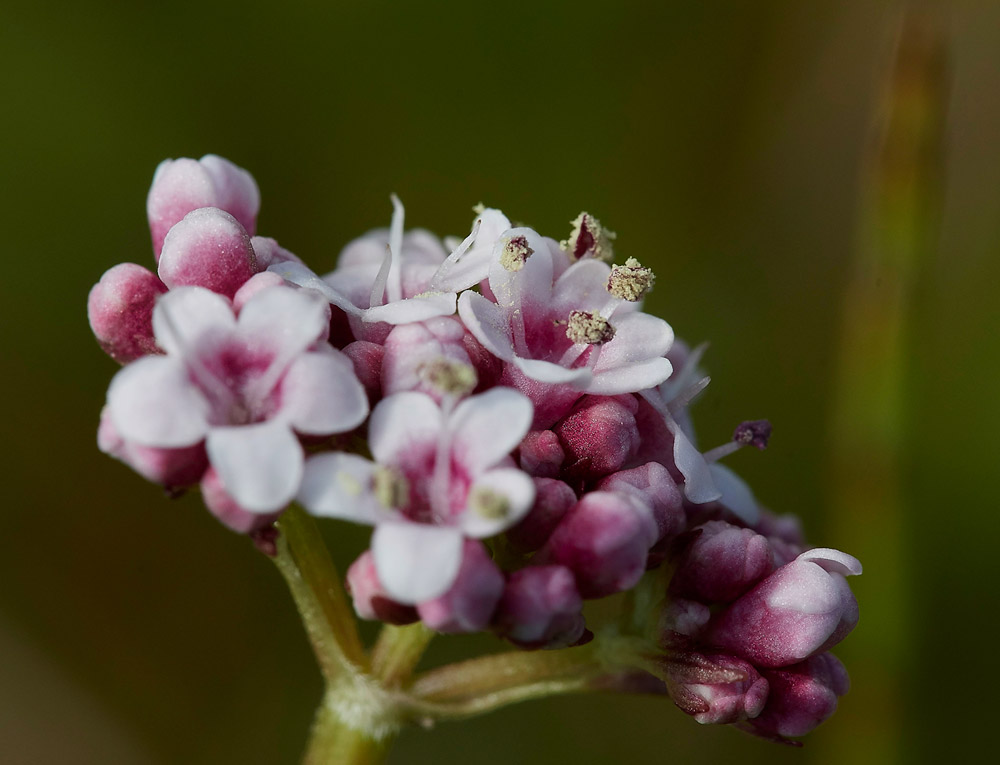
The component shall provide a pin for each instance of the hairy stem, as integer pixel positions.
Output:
(397, 652)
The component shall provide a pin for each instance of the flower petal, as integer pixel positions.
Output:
(418, 308)
(547, 372)
(152, 402)
(416, 562)
(303, 276)
(321, 395)
(530, 287)
(338, 485)
(260, 465)
(399, 422)
(488, 427)
(487, 323)
(516, 487)
(736, 495)
(187, 313)
(288, 319)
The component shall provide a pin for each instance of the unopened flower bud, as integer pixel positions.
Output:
(652, 484)
(369, 596)
(541, 454)
(716, 689)
(603, 540)
(589, 239)
(173, 468)
(208, 248)
(120, 309)
(801, 697)
(366, 358)
(553, 499)
(599, 436)
(801, 609)
(721, 563)
(631, 281)
(469, 604)
(541, 608)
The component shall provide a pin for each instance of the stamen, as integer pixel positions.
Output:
(753, 432)
(589, 328)
(515, 253)
(453, 378)
(589, 239)
(391, 488)
(488, 503)
(631, 281)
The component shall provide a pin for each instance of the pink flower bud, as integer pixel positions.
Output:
(553, 499)
(801, 697)
(716, 689)
(208, 248)
(599, 435)
(541, 608)
(173, 468)
(370, 599)
(603, 540)
(469, 604)
(182, 185)
(721, 563)
(801, 609)
(541, 454)
(227, 510)
(652, 484)
(120, 309)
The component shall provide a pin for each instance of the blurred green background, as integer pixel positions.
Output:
(732, 145)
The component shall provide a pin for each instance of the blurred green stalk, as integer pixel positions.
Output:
(897, 235)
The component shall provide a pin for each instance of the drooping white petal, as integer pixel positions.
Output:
(517, 490)
(629, 379)
(833, 561)
(488, 427)
(416, 562)
(698, 484)
(185, 314)
(736, 495)
(401, 421)
(417, 308)
(547, 372)
(287, 319)
(301, 275)
(339, 485)
(487, 323)
(260, 465)
(320, 394)
(152, 402)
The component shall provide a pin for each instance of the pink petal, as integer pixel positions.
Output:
(515, 487)
(321, 395)
(400, 422)
(488, 427)
(487, 323)
(185, 314)
(339, 485)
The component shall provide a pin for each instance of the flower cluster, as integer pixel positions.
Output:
(498, 408)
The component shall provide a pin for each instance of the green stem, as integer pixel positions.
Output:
(336, 741)
(304, 562)
(397, 652)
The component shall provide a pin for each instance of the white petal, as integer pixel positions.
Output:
(320, 394)
(184, 314)
(488, 427)
(682, 379)
(582, 287)
(400, 421)
(337, 485)
(418, 308)
(631, 378)
(152, 402)
(736, 495)
(290, 320)
(638, 337)
(487, 323)
(519, 491)
(298, 274)
(698, 484)
(470, 262)
(260, 465)
(415, 562)
(834, 561)
(529, 288)
(547, 372)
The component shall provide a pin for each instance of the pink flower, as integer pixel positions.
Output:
(245, 387)
(441, 474)
(120, 309)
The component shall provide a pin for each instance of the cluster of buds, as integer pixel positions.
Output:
(498, 408)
